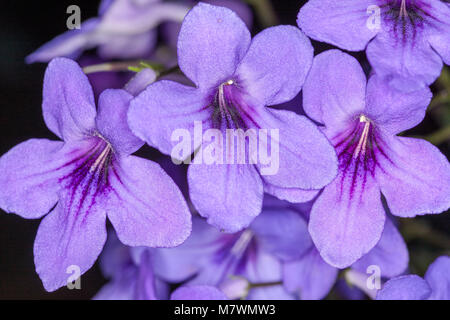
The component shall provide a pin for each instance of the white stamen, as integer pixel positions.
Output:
(361, 148)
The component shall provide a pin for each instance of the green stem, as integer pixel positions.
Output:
(134, 65)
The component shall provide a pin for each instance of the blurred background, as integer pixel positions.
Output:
(28, 25)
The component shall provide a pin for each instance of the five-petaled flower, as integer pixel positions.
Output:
(88, 176)
(406, 40)
(362, 119)
(236, 78)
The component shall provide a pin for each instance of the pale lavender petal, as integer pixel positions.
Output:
(198, 293)
(438, 277)
(229, 196)
(68, 100)
(113, 105)
(344, 23)
(135, 17)
(145, 206)
(347, 219)
(70, 44)
(306, 159)
(276, 64)
(410, 287)
(128, 46)
(310, 277)
(439, 30)
(140, 81)
(29, 177)
(165, 106)
(282, 233)
(414, 177)
(390, 254)
(334, 92)
(392, 110)
(121, 287)
(407, 67)
(212, 42)
(115, 257)
(182, 262)
(265, 268)
(70, 238)
(290, 194)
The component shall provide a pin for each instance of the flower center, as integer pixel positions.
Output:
(228, 107)
(405, 17)
(91, 167)
(358, 150)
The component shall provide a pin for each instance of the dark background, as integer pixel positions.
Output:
(25, 25)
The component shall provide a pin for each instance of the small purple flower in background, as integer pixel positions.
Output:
(435, 286)
(130, 271)
(233, 261)
(362, 120)
(132, 277)
(198, 293)
(88, 176)
(311, 278)
(124, 29)
(236, 78)
(407, 41)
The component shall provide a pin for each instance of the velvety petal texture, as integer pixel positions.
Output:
(410, 287)
(416, 178)
(212, 42)
(393, 110)
(112, 111)
(390, 254)
(69, 240)
(143, 214)
(438, 277)
(344, 23)
(28, 181)
(347, 220)
(342, 85)
(223, 195)
(310, 277)
(407, 66)
(68, 100)
(276, 64)
(161, 109)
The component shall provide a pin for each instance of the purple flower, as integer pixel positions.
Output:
(198, 293)
(124, 29)
(311, 278)
(236, 78)
(362, 120)
(87, 177)
(131, 275)
(130, 270)
(435, 286)
(406, 40)
(233, 261)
